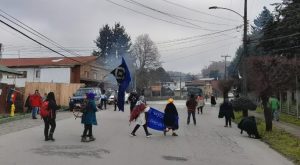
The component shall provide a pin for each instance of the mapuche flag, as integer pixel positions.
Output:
(123, 78)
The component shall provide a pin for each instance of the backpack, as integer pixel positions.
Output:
(45, 111)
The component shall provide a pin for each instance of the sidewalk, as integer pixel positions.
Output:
(25, 123)
(290, 128)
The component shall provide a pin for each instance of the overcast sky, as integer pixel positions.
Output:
(75, 24)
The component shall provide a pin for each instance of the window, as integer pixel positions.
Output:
(95, 75)
(24, 75)
(86, 74)
(37, 73)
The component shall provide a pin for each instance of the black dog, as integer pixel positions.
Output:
(248, 124)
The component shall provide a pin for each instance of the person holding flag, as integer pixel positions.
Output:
(171, 117)
(123, 78)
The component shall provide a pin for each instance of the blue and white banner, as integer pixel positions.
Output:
(155, 119)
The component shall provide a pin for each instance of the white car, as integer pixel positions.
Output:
(111, 98)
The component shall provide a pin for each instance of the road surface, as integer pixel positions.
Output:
(207, 143)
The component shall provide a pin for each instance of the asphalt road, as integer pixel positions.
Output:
(207, 143)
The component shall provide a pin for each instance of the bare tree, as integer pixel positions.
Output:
(268, 75)
(146, 53)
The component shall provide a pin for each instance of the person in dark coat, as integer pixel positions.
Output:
(191, 105)
(170, 118)
(50, 120)
(27, 104)
(248, 124)
(89, 118)
(213, 100)
(226, 110)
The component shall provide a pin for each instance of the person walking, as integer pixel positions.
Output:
(201, 103)
(103, 99)
(171, 117)
(213, 100)
(226, 110)
(28, 104)
(139, 115)
(115, 100)
(89, 118)
(49, 120)
(36, 103)
(274, 105)
(191, 106)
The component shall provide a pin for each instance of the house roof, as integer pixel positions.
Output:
(6, 70)
(49, 61)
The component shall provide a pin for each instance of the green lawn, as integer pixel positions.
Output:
(283, 142)
(284, 117)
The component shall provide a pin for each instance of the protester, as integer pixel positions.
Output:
(50, 119)
(226, 110)
(191, 106)
(103, 100)
(274, 105)
(139, 115)
(170, 118)
(201, 103)
(133, 98)
(89, 118)
(36, 103)
(28, 104)
(213, 100)
(115, 100)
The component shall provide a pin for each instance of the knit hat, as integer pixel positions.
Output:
(90, 96)
(170, 100)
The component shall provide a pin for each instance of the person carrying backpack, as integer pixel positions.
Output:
(48, 114)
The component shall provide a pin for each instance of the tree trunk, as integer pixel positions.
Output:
(245, 113)
(267, 114)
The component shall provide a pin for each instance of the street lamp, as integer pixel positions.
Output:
(245, 54)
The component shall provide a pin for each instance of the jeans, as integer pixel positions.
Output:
(276, 115)
(34, 111)
(227, 121)
(138, 126)
(49, 122)
(88, 130)
(189, 116)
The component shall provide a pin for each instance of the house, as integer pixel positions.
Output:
(82, 69)
(205, 84)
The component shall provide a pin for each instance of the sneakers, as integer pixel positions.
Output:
(148, 135)
(174, 134)
(83, 139)
(92, 138)
(132, 134)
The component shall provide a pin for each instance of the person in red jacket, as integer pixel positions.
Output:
(36, 103)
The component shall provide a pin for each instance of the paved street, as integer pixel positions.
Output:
(207, 143)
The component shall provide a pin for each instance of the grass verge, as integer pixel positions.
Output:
(280, 140)
(283, 117)
(6, 118)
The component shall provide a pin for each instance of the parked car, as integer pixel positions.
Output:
(79, 96)
(111, 98)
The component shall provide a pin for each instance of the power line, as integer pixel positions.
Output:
(198, 11)
(188, 41)
(205, 51)
(38, 42)
(36, 33)
(198, 36)
(174, 23)
(180, 18)
(196, 45)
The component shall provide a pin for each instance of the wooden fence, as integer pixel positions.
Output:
(62, 91)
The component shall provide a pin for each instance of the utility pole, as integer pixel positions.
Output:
(245, 47)
(225, 72)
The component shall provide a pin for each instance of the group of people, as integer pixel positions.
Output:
(139, 110)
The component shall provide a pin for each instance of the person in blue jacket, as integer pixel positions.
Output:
(89, 118)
